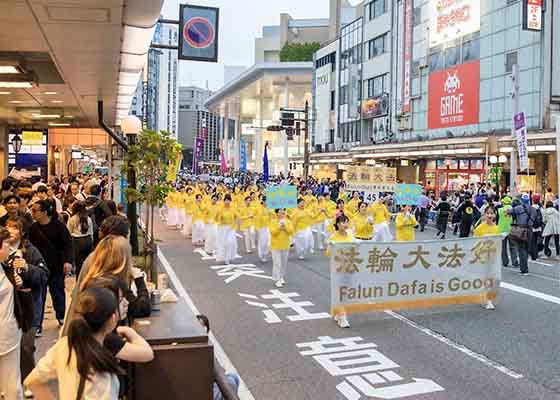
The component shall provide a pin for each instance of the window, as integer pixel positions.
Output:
(376, 8)
(331, 136)
(417, 16)
(436, 59)
(415, 69)
(343, 95)
(333, 94)
(452, 56)
(376, 86)
(511, 60)
(471, 49)
(376, 46)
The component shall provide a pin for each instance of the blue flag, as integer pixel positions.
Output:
(265, 163)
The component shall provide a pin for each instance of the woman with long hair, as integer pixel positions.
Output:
(262, 225)
(80, 227)
(83, 367)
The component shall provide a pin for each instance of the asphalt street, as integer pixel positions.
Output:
(452, 353)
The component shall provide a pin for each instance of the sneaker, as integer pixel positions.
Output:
(282, 281)
(60, 322)
(524, 273)
(38, 333)
(28, 394)
(279, 284)
(301, 257)
(343, 321)
(489, 305)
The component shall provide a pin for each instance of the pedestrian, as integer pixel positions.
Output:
(80, 226)
(226, 248)
(443, 208)
(551, 218)
(405, 224)
(466, 215)
(52, 239)
(82, 367)
(523, 217)
(210, 228)
(549, 196)
(281, 232)
(303, 238)
(341, 235)
(536, 243)
(324, 208)
(504, 225)
(381, 219)
(198, 221)
(247, 224)
(98, 209)
(184, 205)
(262, 226)
(362, 223)
(423, 208)
(488, 225)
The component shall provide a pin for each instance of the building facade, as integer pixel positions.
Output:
(200, 124)
(192, 98)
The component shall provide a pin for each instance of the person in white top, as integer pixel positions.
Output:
(83, 367)
(80, 226)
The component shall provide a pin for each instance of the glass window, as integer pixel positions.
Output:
(377, 46)
(332, 99)
(417, 16)
(376, 8)
(511, 60)
(471, 50)
(431, 164)
(436, 60)
(453, 164)
(464, 164)
(452, 56)
(477, 164)
(441, 164)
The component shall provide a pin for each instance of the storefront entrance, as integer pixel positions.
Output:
(452, 175)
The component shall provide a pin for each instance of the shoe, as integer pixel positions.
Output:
(39, 333)
(343, 321)
(524, 273)
(283, 282)
(443, 237)
(264, 260)
(60, 322)
(301, 257)
(28, 394)
(279, 284)
(489, 305)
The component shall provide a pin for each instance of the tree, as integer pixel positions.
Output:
(152, 157)
(299, 51)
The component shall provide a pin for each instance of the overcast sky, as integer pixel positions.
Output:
(241, 21)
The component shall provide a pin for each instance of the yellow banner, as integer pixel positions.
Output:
(32, 138)
(173, 168)
(371, 179)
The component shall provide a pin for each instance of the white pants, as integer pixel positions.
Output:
(10, 375)
(187, 225)
(226, 248)
(304, 242)
(382, 233)
(249, 236)
(263, 236)
(321, 234)
(173, 217)
(279, 264)
(198, 232)
(210, 238)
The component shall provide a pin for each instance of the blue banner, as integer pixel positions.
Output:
(198, 35)
(242, 156)
(284, 196)
(407, 194)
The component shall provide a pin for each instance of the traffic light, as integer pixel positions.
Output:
(287, 119)
(290, 133)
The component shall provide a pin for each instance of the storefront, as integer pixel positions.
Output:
(452, 174)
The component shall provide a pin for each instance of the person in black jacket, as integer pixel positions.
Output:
(53, 240)
(12, 204)
(444, 209)
(466, 214)
(97, 208)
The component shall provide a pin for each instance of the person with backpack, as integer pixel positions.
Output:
(523, 217)
(551, 218)
(97, 208)
(536, 243)
(504, 225)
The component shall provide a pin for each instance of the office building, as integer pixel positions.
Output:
(192, 98)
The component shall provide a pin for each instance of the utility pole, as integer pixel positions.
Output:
(515, 108)
(306, 143)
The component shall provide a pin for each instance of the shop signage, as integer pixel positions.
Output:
(198, 38)
(371, 179)
(408, 26)
(371, 276)
(454, 96)
(451, 19)
(323, 80)
(375, 106)
(532, 15)
(521, 136)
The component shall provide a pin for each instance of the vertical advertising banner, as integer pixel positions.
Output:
(451, 19)
(197, 156)
(408, 26)
(521, 136)
(242, 155)
(532, 15)
(198, 37)
(454, 96)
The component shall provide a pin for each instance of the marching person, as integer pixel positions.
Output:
(381, 218)
(262, 225)
(247, 224)
(322, 211)
(303, 238)
(281, 231)
(405, 224)
(341, 235)
(362, 223)
(211, 229)
(466, 215)
(504, 225)
(488, 226)
(197, 221)
(226, 219)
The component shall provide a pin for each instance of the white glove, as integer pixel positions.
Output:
(370, 220)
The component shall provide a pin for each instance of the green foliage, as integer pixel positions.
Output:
(299, 51)
(151, 156)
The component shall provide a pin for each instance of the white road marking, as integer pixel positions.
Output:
(244, 392)
(541, 263)
(483, 359)
(529, 292)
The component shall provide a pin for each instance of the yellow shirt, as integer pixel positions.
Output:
(405, 227)
(337, 237)
(280, 237)
(246, 217)
(363, 229)
(301, 219)
(352, 206)
(486, 230)
(380, 213)
(198, 213)
(227, 216)
(211, 213)
(263, 217)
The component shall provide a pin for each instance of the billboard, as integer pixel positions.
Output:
(198, 36)
(407, 69)
(454, 96)
(375, 106)
(451, 19)
(532, 15)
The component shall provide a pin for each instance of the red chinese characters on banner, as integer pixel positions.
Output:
(534, 15)
(454, 96)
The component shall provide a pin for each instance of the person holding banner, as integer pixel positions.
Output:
(210, 227)
(362, 223)
(320, 218)
(281, 231)
(405, 224)
(341, 235)
(303, 238)
(381, 217)
(488, 226)
(262, 223)
(198, 221)
(226, 219)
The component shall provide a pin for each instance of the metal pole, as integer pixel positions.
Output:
(306, 144)
(284, 136)
(558, 153)
(513, 155)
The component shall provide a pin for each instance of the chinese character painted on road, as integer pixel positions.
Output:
(419, 253)
(286, 302)
(452, 257)
(366, 384)
(232, 271)
(381, 262)
(483, 252)
(347, 260)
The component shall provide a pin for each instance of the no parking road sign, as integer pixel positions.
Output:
(198, 39)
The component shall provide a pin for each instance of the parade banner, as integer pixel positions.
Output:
(242, 156)
(371, 276)
(521, 136)
(371, 179)
(284, 196)
(173, 168)
(407, 194)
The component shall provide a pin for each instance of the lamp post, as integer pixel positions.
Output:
(16, 143)
(131, 126)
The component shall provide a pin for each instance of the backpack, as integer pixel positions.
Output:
(539, 221)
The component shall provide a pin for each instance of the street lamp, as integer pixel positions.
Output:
(56, 153)
(131, 126)
(16, 143)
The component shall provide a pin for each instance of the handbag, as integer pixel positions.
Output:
(520, 232)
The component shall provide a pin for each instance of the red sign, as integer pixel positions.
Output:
(408, 15)
(532, 15)
(454, 96)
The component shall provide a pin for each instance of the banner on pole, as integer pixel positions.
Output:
(521, 136)
(371, 179)
(408, 194)
(173, 168)
(371, 276)
(284, 196)
(242, 156)
(198, 35)
(197, 156)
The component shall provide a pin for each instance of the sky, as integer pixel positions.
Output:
(241, 21)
